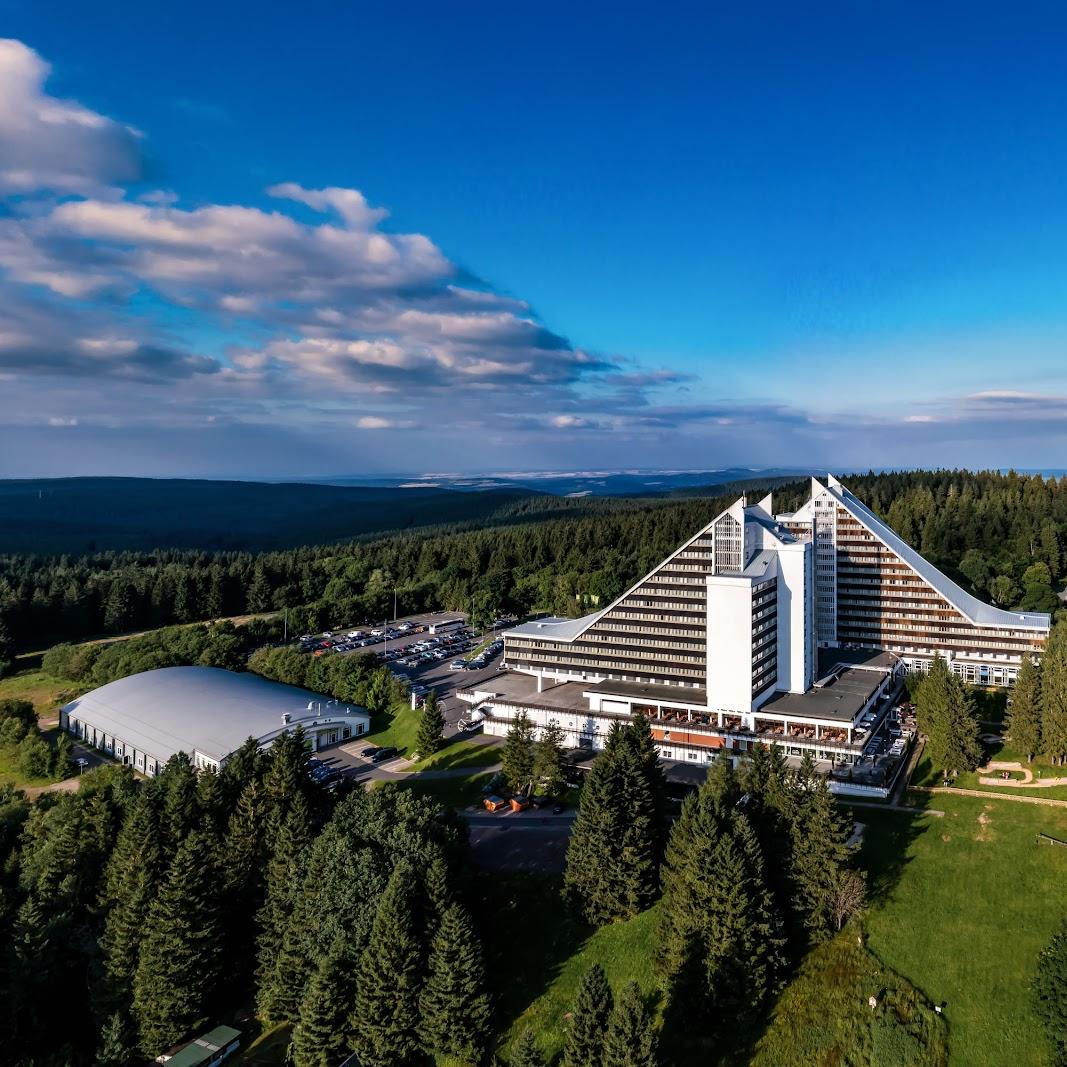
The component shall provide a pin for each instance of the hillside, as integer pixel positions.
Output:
(85, 515)
(82, 516)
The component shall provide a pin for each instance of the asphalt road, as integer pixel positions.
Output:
(506, 847)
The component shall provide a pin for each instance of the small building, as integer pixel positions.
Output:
(205, 712)
(206, 1051)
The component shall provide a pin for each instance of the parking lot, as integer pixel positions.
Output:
(433, 673)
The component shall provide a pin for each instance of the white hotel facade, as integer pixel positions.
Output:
(762, 628)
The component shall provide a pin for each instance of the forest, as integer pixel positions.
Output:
(135, 912)
(999, 535)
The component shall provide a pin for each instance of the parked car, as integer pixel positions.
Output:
(458, 665)
(368, 751)
(383, 754)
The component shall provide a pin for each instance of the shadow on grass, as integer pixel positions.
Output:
(529, 937)
(458, 753)
(887, 841)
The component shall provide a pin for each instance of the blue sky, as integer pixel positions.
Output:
(670, 235)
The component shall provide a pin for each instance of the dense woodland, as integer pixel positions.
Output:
(135, 912)
(1000, 535)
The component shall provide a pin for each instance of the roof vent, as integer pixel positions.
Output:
(286, 717)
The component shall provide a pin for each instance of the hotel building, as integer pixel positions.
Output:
(762, 628)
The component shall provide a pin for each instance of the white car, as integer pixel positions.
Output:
(458, 665)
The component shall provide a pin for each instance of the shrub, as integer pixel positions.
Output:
(35, 757)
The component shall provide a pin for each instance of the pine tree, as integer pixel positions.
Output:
(720, 937)
(322, 1036)
(517, 758)
(62, 757)
(548, 765)
(131, 882)
(819, 852)
(276, 998)
(287, 773)
(181, 811)
(682, 914)
(431, 733)
(389, 976)
(454, 1006)
(1023, 725)
(1054, 695)
(178, 970)
(437, 890)
(589, 1020)
(243, 862)
(612, 869)
(639, 736)
(258, 592)
(248, 763)
(640, 844)
(211, 801)
(931, 697)
(588, 878)
(1048, 994)
(744, 960)
(526, 1052)
(630, 1040)
(117, 1048)
(945, 713)
(7, 648)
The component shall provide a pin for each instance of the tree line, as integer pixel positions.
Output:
(1035, 723)
(1001, 535)
(352, 678)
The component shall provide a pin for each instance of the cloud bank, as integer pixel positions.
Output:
(308, 334)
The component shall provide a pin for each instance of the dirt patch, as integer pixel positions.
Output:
(985, 823)
(946, 838)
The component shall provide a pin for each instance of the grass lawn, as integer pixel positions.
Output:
(460, 753)
(399, 728)
(961, 906)
(452, 792)
(823, 1016)
(42, 689)
(539, 954)
(395, 728)
(926, 774)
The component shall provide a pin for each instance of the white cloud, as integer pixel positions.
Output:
(350, 204)
(379, 422)
(52, 144)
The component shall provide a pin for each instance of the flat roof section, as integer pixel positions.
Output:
(515, 688)
(871, 658)
(841, 700)
(670, 694)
